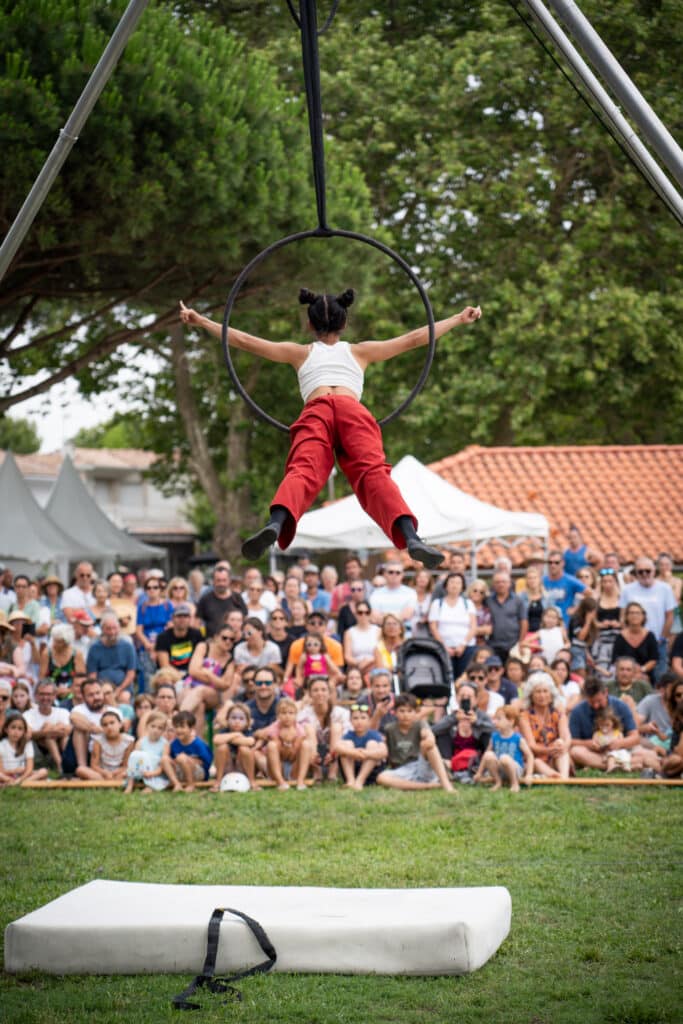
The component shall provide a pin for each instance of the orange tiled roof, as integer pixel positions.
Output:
(628, 498)
(48, 464)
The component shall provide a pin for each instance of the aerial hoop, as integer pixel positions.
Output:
(328, 233)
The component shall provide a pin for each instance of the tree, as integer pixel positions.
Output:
(18, 435)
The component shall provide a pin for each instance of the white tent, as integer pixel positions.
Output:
(445, 515)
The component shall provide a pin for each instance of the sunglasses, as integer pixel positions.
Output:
(263, 682)
(393, 572)
(357, 590)
(226, 636)
(644, 572)
(4, 697)
(359, 707)
(153, 587)
(362, 611)
(477, 679)
(607, 572)
(554, 561)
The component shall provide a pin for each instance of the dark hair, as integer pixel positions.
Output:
(184, 718)
(406, 700)
(22, 576)
(256, 624)
(593, 686)
(327, 313)
(15, 716)
(455, 576)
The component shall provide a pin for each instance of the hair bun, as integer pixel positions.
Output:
(346, 298)
(306, 297)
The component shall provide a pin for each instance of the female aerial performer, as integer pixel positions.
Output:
(334, 422)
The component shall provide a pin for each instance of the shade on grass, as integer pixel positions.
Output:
(594, 878)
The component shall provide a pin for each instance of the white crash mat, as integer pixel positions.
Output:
(134, 928)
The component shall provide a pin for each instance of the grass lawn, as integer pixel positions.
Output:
(595, 877)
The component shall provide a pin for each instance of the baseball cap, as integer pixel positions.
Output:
(311, 568)
(182, 609)
(493, 661)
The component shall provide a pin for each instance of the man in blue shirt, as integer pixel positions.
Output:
(561, 588)
(112, 657)
(576, 554)
(586, 752)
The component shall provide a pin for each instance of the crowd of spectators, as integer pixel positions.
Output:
(575, 665)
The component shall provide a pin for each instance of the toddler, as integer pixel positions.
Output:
(361, 750)
(509, 755)
(111, 750)
(16, 753)
(608, 728)
(234, 745)
(191, 756)
(314, 661)
(150, 762)
(552, 636)
(287, 753)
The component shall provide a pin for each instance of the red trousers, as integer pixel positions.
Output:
(339, 425)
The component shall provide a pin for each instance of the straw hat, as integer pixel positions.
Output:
(52, 579)
(18, 615)
(4, 624)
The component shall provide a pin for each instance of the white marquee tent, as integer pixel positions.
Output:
(445, 515)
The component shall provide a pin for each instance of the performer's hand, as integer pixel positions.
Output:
(469, 314)
(189, 316)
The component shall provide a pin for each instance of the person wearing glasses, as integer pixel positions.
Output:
(657, 600)
(348, 614)
(153, 617)
(208, 681)
(394, 598)
(80, 595)
(561, 588)
(360, 640)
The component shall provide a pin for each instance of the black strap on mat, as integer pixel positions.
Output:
(220, 985)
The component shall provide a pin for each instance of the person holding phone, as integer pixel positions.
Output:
(464, 734)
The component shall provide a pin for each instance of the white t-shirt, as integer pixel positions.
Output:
(92, 716)
(657, 600)
(392, 600)
(37, 721)
(270, 655)
(10, 760)
(74, 597)
(364, 641)
(339, 715)
(453, 620)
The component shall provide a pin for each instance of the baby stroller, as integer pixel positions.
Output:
(424, 668)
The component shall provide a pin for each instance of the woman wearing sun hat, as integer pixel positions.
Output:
(7, 645)
(50, 604)
(25, 654)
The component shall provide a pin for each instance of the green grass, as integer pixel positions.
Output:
(595, 878)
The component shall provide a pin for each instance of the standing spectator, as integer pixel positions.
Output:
(7, 594)
(319, 599)
(665, 574)
(576, 555)
(454, 562)
(80, 595)
(422, 582)
(153, 617)
(7, 666)
(179, 593)
(507, 616)
(279, 633)
(50, 605)
(125, 608)
(589, 577)
(561, 587)
(636, 642)
(268, 596)
(478, 592)
(391, 637)
(607, 621)
(353, 573)
(112, 657)
(176, 644)
(24, 602)
(25, 653)
(50, 726)
(100, 592)
(453, 622)
(394, 597)
(348, 613)
(256, 609)
(534, 597)
(585, 752)
(214, 605)
(197, 585)
(658, 601)
(360, 641)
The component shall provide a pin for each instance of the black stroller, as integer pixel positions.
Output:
(424, 668)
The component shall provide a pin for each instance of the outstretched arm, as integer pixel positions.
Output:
(275, 351)
(367, 352)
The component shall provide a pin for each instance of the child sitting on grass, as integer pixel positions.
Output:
(190, 755)
(287, 753)
(150, 762)
(509, 756)
(607, 729)
(16, 753)
(361, 750)
(233, 746)
(111, 750)
(414, 758)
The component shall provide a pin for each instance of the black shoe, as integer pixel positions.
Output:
(254, 546)
(431, 558)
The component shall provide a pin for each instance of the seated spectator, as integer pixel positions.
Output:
(543, 724)
(325, 723)
(463, 735)
(362, 751)
(568, 688)
(585, 751)
(361, 640)
(608, 736)
(190, 755)
(677, 656)
(60, 661)
(287, 752)
(21, 696)
(142, 705)
(125, 607)
(413, 756)
(179, 594)
(552, 636)
(636, 642)
(100, 605)
(25, 654)
(85, 719)
(391, 637)
(486, 700)
(278, 632)
(381, 699)
(509, 756)
(263, 711)
(233, 745)
(110, 751)
(209, 682)
(49, 725)
(254, 600)
(496, 681)
(653, 712)
(50, 605)
(176, 644)
(352, 689)
(627, 684)
(255, 650)
(672, 764)
(125, 709)
(453, 623)
(16, 753)
(112, 657)
(150, 762)
(515, 673)
(298, 621)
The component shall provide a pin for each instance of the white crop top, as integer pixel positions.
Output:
(330, 366)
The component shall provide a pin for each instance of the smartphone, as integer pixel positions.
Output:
(466, 705)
